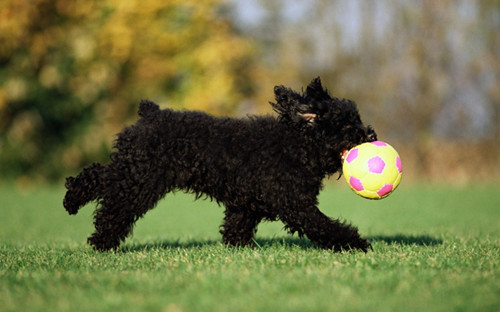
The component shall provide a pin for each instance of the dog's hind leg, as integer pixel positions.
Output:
(112, 225)
(115, 218)
(83, 188)
(130, 191)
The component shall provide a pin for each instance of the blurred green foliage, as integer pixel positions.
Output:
(425, 74)
(73, 71)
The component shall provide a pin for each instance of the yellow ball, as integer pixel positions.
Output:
(372, 170)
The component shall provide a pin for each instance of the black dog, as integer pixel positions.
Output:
(260, 168)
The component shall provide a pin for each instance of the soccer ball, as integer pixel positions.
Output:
(372, 170)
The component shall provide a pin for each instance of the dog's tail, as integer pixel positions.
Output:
(147, 108)
(84, 188)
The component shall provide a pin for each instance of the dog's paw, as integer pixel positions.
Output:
(100, 243)
(364, 245)
(357, 244)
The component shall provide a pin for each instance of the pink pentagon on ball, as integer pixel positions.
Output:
(379, 143)
(376, 165)
(353, 154)
(356, 184)
(398, 164)
(384, 190)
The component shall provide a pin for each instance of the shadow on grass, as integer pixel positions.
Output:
(288, 242)
(169, 245)
(258, 243)
(402, 239)
(302, 243)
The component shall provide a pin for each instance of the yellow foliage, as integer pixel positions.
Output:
(155, 40)
(67, 57)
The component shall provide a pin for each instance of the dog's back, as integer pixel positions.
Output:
(224, 158)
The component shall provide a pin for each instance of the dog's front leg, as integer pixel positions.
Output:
(239, 227)
(325, 232)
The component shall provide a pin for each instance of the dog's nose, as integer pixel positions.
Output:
(371, 135)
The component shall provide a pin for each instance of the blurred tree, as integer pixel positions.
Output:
(434, 64)
(423, 73)
(72, 73)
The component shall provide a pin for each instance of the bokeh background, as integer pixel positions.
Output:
(425, 74)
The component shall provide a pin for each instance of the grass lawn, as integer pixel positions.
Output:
(435, 248)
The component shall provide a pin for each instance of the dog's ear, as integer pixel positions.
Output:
(316, 91)
(315, 96)
(289, 105)
(301, 109)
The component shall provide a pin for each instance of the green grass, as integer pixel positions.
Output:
(436, 248)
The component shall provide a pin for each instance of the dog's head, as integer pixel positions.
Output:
(333, 125)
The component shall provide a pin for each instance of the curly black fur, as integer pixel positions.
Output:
(259, 168)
